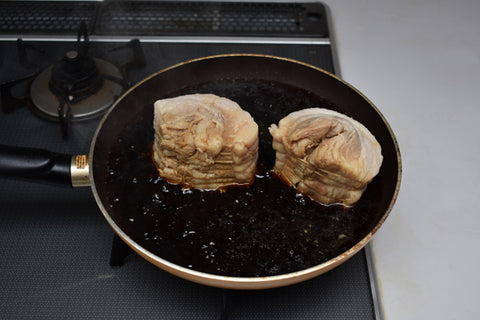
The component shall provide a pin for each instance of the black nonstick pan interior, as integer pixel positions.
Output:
(263, 230)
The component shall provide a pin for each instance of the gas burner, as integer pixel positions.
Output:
(76, 87)
(75, 77)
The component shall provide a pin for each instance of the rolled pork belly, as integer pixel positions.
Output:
(325, 155)
(204, 141)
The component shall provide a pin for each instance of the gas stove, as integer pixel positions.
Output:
(62, 65)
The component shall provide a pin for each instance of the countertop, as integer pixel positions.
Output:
(419, 63)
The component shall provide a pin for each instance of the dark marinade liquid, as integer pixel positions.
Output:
(258, 230)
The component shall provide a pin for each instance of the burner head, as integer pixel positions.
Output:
(88, 85)
(75, 77)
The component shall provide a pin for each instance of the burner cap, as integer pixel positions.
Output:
(80, 81)
(75, 76)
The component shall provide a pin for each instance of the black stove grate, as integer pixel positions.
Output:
(156, 18)
(182, 17)
(45, 16)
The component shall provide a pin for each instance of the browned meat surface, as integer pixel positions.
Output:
(325, 155)
(204, 141)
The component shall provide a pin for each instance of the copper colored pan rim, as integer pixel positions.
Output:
(244, 283)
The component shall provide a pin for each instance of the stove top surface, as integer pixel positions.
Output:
(55, 243)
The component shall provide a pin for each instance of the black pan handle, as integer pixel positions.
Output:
(35, 164)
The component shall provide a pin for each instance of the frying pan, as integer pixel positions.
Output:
(269, 88)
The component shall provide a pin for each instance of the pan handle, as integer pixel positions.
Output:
(43, 165)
